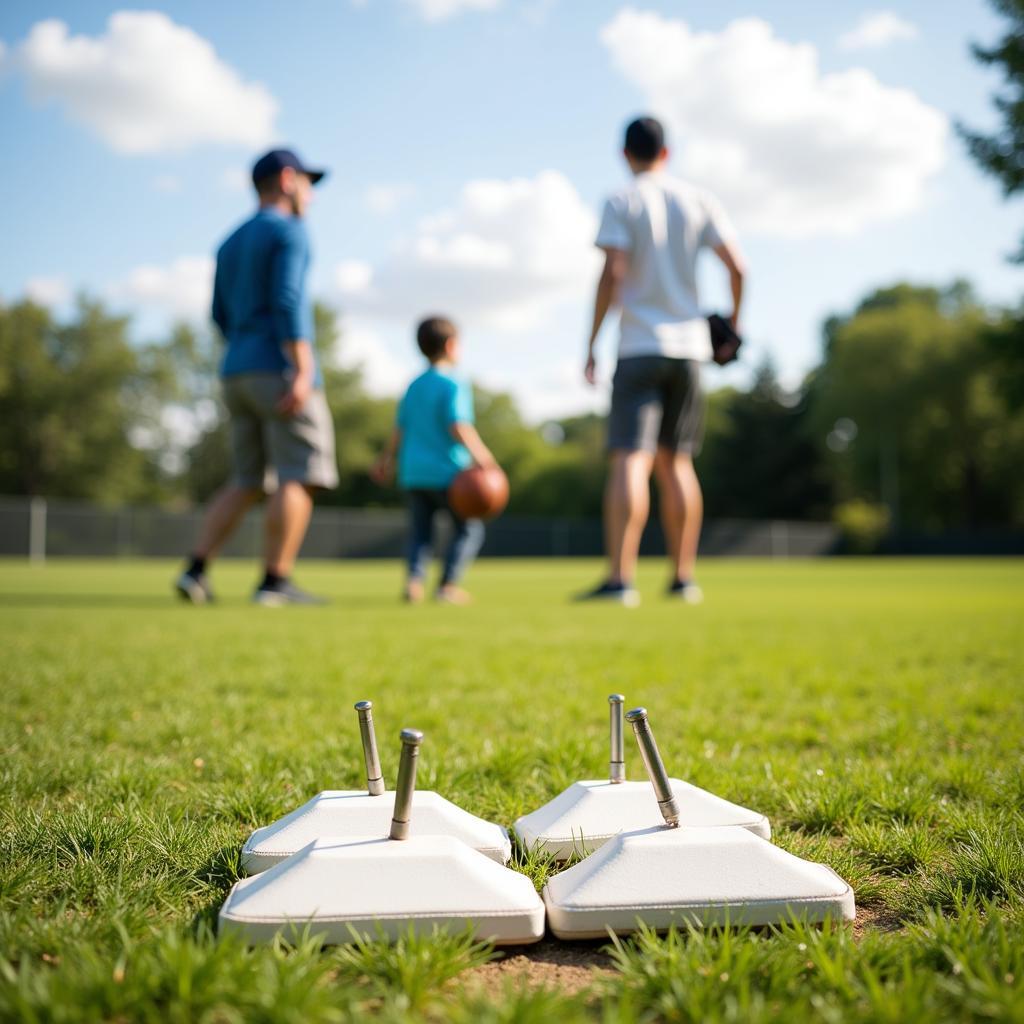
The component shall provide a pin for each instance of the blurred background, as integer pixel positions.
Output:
(869, 158)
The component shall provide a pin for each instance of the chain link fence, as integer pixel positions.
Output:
(41, 528)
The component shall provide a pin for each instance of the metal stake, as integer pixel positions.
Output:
(374, 776)
(617, 760)
(406, 785)
(654, 765)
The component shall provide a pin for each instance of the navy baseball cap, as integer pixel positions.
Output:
(276, 161)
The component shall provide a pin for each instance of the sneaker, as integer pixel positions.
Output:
(451, 594)
(413, 592)
(685, 591)
(620, 593)
(194, 588)
(283, 593)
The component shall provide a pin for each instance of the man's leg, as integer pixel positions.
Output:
(626, 506)
(222, 517)
(229, 505)
(288, 513)
(301, 450)
(682, 509)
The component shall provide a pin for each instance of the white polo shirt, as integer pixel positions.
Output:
(663, 223)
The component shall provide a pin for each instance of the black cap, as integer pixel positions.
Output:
(645, 138)
(276, 161)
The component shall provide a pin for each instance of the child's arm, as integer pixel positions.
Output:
(466, 434)
(382, 471)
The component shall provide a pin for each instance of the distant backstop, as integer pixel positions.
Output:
(41, 528)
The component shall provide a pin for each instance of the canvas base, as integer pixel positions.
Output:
(661, 877)
(341, 813)
(585, 816)
(378, 888)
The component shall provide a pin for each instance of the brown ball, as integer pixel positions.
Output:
(478, 493)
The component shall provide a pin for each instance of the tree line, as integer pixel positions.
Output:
(913, 419)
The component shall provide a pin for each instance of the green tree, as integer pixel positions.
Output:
(73, 398)
(935, 440)
(1002, 154)
(759, 459)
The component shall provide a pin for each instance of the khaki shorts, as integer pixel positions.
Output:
(656, 403)
(299, 448)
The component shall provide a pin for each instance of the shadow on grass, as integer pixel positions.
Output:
(219, 873)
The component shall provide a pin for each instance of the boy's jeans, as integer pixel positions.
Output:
(467, 536)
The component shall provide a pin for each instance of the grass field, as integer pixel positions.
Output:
(873, 709)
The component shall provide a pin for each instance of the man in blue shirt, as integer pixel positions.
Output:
(272, 384)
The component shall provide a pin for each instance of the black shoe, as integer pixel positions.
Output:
(685, 590)
(273, 595)
(619, 593)
(194, 588)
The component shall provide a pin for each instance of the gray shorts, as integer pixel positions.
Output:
(656, 403)
(299, 447)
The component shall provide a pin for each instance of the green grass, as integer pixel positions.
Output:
(873, 709)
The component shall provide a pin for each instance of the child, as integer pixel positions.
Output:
(435, 440)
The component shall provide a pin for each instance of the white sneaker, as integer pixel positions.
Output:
(688, 592)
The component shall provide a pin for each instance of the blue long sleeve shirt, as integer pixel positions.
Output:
(259, 294)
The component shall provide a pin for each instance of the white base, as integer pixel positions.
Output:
(700, 876)
(586, 815)
(379, 887)
(344, 813)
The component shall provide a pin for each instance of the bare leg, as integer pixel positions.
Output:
(288, 513)
(682, 509)
(626, 505)
(222, 517)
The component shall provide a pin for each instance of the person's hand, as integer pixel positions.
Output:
(590, 370)
(487, 461)
(295, 397)
(383, 470)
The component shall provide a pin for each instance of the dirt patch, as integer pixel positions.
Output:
(573, 966)
(567, 966)
(876, 919)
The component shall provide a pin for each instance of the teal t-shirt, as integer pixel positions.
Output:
(429, 457)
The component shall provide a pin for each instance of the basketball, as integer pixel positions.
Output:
(479, 493)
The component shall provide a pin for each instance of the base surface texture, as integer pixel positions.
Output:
(377, 888)
(698, 876)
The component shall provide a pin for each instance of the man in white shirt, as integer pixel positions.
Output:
(651, 233)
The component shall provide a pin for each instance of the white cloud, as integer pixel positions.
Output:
(48, 291)
(385, 198)
(438, 10)
(146, 85)
(353, 277)
(503, 256)
(167, 183)
(181, 289)
(792, 151)
(877, 29)
(383, 372)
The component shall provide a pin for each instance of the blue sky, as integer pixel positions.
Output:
(470, 144)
